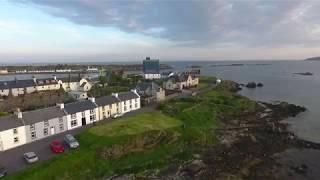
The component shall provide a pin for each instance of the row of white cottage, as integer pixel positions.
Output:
(29, 126)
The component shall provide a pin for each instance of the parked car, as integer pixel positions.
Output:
(56, 146)
(71, 141)
(30, 157)
(117, 115)
(3, 172)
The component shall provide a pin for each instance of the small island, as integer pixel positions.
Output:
(313, 59)
(304, 73)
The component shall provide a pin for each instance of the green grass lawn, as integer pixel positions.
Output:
(136, 125)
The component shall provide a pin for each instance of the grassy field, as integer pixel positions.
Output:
(181, 128)
(136, 125)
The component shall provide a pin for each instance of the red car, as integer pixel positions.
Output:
(56, 146)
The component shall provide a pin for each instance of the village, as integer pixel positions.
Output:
(92, 101)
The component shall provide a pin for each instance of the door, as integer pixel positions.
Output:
(84, 121)
(52, 130)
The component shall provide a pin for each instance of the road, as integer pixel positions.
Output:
(13, 159)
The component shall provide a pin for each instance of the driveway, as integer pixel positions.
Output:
(13, 159)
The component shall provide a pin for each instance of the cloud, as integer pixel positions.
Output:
(214, 23)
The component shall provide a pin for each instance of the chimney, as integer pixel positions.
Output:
(115, 95)
(134, 90)
(60, 105)
(18, 113)
(92, 99)
(34, 79)
(54, 77)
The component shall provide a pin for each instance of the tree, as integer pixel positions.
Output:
(102, 80)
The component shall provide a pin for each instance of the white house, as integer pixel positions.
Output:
(81, 113)
(12, 131)
(129, 101)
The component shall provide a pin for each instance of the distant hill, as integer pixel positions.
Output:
(313, 59)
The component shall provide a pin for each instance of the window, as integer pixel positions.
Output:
(92, 118)
(136, 100)
(73, 123)
(73, 116)
(61, 127)
(136, 105)
(60, 120)
(91, 111)
(32, 127)
(125, 108)
(130, 106)
(83, 114)
(33, 135)
(110, 106)
(15, 131)
(125, 102)
(117, 105)
(45, 131)
(103, 113)
(46, 123)
(15, 139)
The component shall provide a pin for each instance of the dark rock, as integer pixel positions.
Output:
(300, 169)
(259, 84)
(251, 85)
(304, 74)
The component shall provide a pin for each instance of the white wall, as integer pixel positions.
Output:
(79, 118)
(152, 76)
(4, 92)
(7, 138)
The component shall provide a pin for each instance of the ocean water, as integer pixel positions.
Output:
(280, 84)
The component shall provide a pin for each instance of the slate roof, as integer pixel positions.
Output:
(79, 106)
(106, 100)
(123, 96)
(10, 122)
(31, 117)
(145, 85)
(17, 84)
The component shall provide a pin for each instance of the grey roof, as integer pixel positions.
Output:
(17, 84)
(145, 85)
(9, 122)
(123, 96)
(31, 117)
(106, 100)
(79, 106)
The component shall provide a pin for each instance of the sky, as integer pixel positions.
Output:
(122, 30)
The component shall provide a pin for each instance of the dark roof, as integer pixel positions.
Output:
(145, 85)
(9, 122)
(31, 117)
(83, 84)
(79, 106)
(17, 84)
(106, 100)
(123, 96)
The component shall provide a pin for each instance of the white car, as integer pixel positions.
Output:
(117, 115)
(30, 157)
(71, 141)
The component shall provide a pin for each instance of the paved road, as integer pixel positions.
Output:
(13, 159)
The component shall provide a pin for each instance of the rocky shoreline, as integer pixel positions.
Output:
(247, 148)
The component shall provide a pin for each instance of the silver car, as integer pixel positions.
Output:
(71, 141)
(30, 157)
